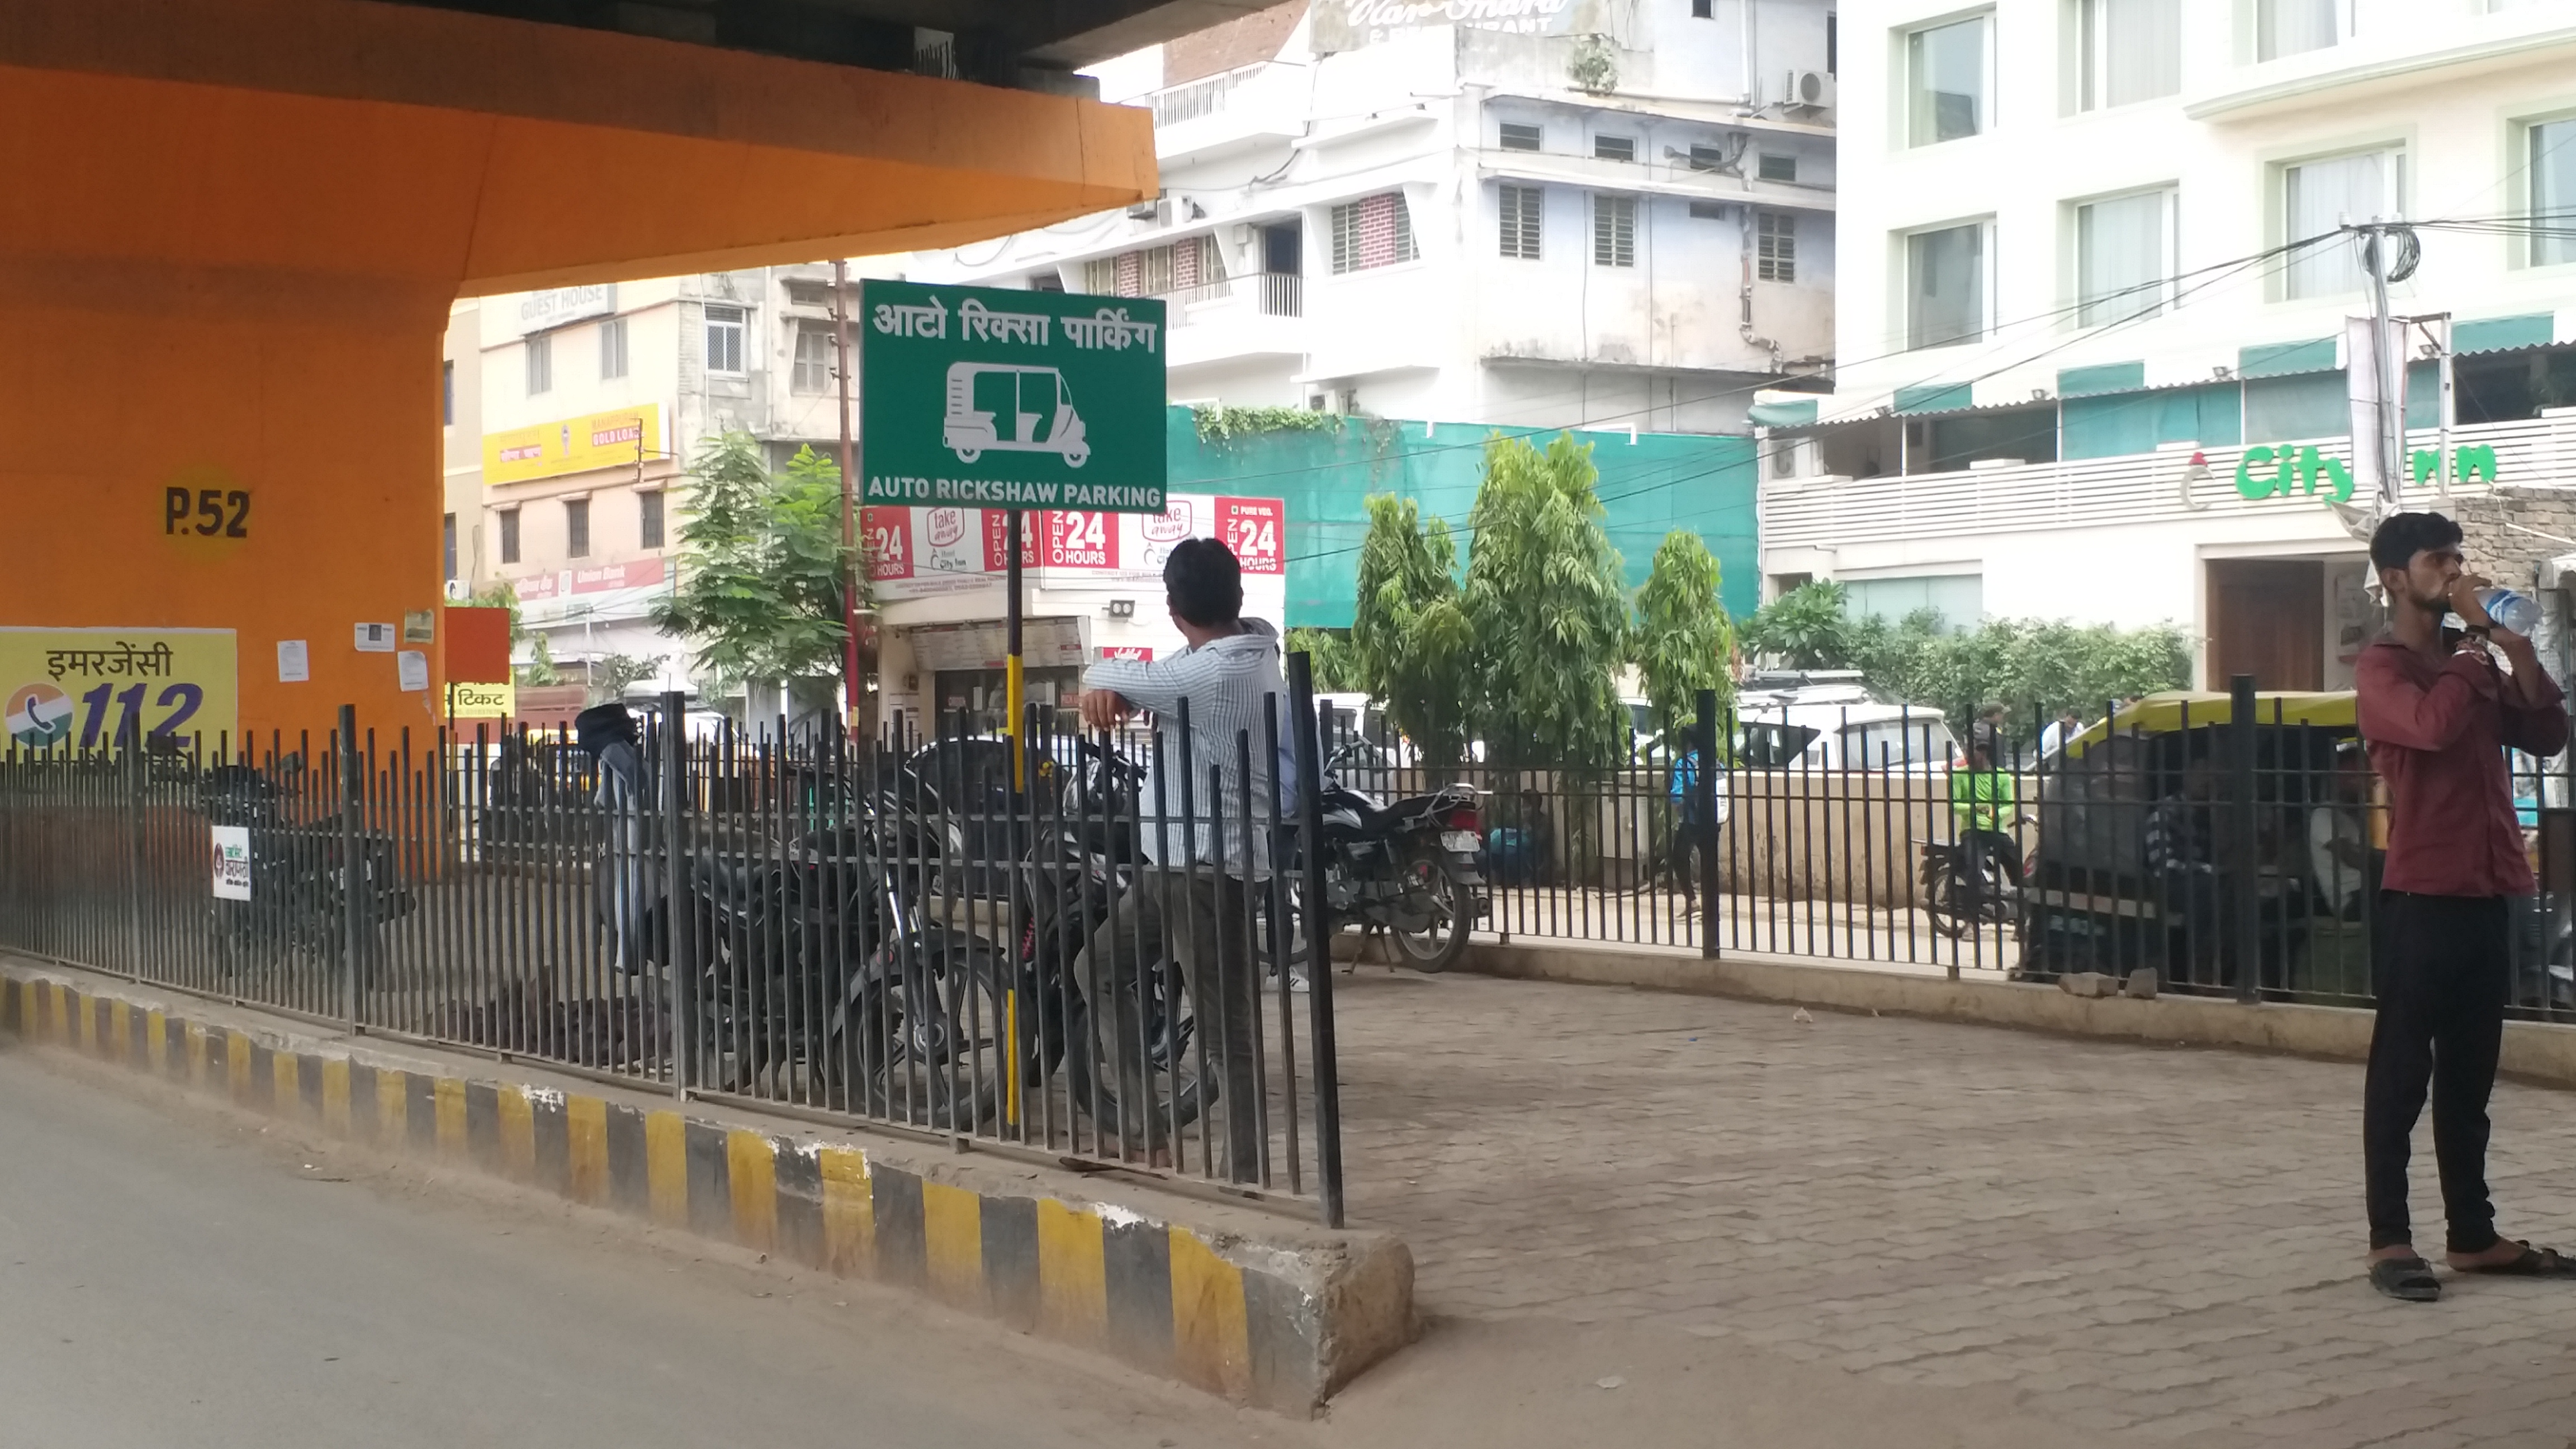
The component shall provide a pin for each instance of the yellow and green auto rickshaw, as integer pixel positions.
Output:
(2161, 846)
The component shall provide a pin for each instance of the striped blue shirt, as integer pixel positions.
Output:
(1228, 683)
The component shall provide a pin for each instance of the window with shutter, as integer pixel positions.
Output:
(1614, 231)
(1775, 240)
(725, 326)
(1374, 231)
(1520, 221)
(813, 373)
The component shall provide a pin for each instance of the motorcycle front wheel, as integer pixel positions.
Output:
(1438, 946)
(929, 1048)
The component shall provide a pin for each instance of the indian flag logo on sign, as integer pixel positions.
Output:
(39, 715)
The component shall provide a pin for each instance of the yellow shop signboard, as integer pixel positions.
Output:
(481, 701)
(619, 438)
(92, 688)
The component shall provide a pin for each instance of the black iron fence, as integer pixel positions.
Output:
(1080, 948)
(2228, 850)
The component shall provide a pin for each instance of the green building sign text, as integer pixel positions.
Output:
(987, 398)
(2263, 472)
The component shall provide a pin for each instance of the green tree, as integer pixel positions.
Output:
(608, 678)
(540, 670)
(2032, 667)
(1336, 668)
(1683, 637)
(1805, 628)
(1547, 607)
(1411, 646)
(762, 566)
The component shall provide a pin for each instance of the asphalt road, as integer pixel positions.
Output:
(170, 1274)
(175, 1273)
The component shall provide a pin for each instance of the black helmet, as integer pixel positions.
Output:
(598, 726)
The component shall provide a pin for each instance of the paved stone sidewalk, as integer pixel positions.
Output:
(2160, 1242)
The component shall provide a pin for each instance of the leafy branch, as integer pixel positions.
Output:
(1225, 424)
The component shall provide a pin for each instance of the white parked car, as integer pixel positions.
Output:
(1828, 720)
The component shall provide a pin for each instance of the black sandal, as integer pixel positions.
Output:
(2533, 1263)
(2410, 1279)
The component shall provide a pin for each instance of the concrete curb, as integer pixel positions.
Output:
(1227, 1299)
(2533, 1051)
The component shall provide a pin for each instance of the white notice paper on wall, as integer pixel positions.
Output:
(412, 667)
(294, 662)
(375, 638)
(232, 862)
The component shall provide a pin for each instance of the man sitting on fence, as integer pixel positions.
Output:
(1196, 896)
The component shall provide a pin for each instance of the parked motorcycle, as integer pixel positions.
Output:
(1970, 881)
(299, 890)
(1413, 868)
(951, 1029)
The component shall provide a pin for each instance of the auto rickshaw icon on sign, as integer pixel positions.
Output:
(1004, 408)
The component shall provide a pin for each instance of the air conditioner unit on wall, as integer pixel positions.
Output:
(458, 591)
(1807, 90)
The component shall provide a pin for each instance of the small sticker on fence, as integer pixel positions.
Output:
(232, 862)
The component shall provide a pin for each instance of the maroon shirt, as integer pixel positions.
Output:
(2438, 729)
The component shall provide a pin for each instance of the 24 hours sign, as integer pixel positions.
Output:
(97, 688)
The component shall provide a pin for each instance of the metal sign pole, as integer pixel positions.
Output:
(1011, 676)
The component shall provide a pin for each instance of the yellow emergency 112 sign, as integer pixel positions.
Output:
(95, 689)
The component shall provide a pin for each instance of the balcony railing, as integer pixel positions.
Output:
(2137, 488)
(1199, 97)
(1275, 294)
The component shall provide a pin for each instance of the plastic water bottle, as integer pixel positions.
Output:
(2510, 610)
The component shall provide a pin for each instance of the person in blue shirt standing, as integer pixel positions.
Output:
(1688, 823)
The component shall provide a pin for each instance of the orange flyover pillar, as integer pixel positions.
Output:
(229, 234)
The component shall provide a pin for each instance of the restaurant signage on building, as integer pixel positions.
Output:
(2265, 471)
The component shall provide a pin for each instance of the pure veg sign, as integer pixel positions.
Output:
(982, 398)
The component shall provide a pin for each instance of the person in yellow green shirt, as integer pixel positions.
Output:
(1984, 801)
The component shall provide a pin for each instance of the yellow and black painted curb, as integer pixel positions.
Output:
(1159, 1296)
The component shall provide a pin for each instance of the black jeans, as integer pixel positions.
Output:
(2445, 974)
(1976, 848)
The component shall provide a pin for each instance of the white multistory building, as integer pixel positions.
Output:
(2086, 367)
(1515, 212)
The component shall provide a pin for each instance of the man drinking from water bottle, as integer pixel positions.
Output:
(2438, 710)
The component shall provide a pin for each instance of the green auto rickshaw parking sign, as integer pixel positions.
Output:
(978, 397)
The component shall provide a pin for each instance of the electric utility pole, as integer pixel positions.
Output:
(2388, 379)
(853, 684)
